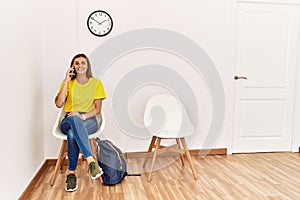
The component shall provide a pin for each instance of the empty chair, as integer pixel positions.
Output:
(165, 118)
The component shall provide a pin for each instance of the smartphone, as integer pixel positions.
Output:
(74, 72)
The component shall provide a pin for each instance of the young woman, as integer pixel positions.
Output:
(81, 95)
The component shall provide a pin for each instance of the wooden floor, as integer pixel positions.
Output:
(239, 176)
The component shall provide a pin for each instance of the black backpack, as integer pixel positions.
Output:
(111, 160)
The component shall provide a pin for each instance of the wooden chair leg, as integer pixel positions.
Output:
(151, 146)
(59, 160)
(154, 157)
(63, 160)
(187, 153)
(180, 147)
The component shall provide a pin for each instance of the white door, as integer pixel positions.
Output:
(266, 55)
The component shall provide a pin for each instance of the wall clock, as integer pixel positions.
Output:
(99, 23)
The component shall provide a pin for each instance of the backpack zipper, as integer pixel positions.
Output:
(118, 154)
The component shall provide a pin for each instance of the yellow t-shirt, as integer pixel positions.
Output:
(80, 97)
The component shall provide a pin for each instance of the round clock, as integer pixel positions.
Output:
(99, 23)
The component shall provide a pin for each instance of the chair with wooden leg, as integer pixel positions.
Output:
(56, 132)
(165, 117)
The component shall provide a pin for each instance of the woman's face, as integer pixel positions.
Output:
(80, 65)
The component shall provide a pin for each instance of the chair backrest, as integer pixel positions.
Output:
(165, 116)
(56, 132)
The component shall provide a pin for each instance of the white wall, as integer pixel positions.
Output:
(22, 144)
(208, 23)
(59, 46)
(202, 21)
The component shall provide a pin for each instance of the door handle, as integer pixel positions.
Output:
(240, 77)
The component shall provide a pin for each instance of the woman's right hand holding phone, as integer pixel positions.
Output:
(70, 74)
(61, 96)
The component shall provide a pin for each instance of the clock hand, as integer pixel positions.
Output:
(96, 20)
(102, 21)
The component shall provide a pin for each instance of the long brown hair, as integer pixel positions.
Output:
(89, 70)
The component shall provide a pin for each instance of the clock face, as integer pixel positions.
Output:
(99, 23)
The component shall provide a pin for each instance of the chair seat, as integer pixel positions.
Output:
(61, 136)
(167, 135)
(165, 116)
(56, 132)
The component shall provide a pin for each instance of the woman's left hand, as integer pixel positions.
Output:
(73, 114)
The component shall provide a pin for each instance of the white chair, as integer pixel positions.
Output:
(56, 132)
(165, 118)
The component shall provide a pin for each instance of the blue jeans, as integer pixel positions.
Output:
(77, 132)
